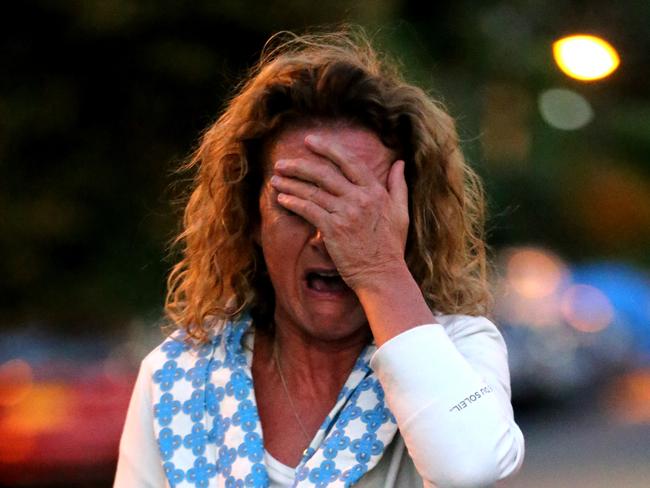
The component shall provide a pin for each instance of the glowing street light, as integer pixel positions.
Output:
(585, 57)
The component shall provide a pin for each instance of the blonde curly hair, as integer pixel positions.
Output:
(330, 76)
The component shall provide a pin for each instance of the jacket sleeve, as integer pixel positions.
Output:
(449, 389)
(139, 464)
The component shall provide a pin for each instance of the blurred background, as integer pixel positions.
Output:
(101, 100)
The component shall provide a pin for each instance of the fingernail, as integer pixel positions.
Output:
(312, 139)
(275, 180)
(279, 164)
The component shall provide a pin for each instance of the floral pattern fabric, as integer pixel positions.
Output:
(208, 428)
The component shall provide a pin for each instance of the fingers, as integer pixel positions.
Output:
(352, 170)
(306, 191)
(323, 175)
(311, 212)
(323, 186)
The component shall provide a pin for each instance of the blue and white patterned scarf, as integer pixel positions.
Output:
(208, 428)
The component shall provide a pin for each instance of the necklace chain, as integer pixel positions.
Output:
(276, 358)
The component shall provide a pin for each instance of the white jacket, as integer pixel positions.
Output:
(448, 387)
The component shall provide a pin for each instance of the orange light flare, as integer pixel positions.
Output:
(585, 57)
(628, 398)
(35, 410)
(530, 291)
(586, 308)
(534, 273)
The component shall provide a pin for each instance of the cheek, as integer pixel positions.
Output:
(281, 242)
(281, 254)
(280, 235)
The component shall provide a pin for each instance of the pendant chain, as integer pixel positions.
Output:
(276, 358)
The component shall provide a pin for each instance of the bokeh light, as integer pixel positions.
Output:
(586, 308)
(585, 57)
(628, 398)
(530, 291)
(534, 273)
(44, 409)
(565, 109)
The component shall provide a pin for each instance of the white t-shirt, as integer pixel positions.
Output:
(280, 475)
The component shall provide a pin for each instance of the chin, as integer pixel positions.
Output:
(333, 327)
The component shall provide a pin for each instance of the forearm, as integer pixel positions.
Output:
(457, 426)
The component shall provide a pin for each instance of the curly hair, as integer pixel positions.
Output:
(331, 76)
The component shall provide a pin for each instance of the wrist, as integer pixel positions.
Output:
(380, 278)
(393, 303)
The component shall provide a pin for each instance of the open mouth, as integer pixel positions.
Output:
(326, 281)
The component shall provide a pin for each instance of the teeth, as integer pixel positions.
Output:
(329, 274)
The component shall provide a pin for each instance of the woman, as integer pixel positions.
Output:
(330, 296)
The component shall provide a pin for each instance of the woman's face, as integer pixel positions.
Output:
(293, 250)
